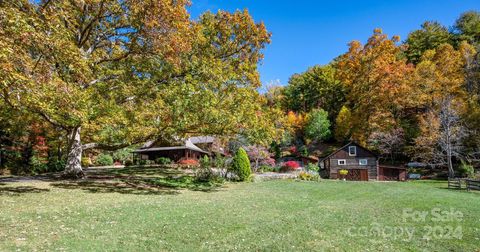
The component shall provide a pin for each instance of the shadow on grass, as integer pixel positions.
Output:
(17, 190)
(129, 180)
(139, 186)
(45, 177)
(136, 180)
(94, 186)
(109, 173)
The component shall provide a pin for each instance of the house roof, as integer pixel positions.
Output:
(393, 167)
(350, 143)
(188, 145)
(202, 139)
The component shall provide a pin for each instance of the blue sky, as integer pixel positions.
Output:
(308, 32)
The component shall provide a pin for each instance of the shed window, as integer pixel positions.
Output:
(352, 150)
(362, 162)
(342, 162)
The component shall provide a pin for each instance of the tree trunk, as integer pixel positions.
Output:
(74, 159)
(451, 172)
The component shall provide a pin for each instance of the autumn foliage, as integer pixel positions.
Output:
(189, 162)
(290, 166)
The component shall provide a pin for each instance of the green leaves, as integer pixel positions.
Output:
(131, 70)
(429, 37)
(317, 126)
(318, 87)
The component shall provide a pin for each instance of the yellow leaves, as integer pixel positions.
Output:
(135, 68)
(295, 121)
(377, 81)
(439, 74)
(429, 125)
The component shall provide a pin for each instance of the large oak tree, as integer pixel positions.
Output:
(110, 73)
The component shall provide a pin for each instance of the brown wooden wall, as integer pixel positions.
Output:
(386, 173)
(352, 162)
(361, 152)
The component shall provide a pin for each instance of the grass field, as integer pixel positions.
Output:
(112, 214)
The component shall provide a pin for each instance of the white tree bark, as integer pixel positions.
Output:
(74, 159)
(451, 134)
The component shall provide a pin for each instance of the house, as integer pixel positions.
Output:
(178, 150)
(362, 164)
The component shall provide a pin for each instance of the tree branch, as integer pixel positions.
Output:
(37, 111)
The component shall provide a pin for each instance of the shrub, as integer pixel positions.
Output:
(128, 162)
(304, 151)
(259, 155)
(466, 170)
(86, 162)
(205, 162)
(142, 162)
(38, 165)
(293, 150)
(290, 166)
(206, 173)
(343, 173)
(122, 155)
(104, 160)
(163, 161)
(56, 165)
(266, 168)
(220, 161)
(275, 148)
(188, 162)
(241, 165)
(268, 162)
(308, 176)
(312, 167)
(277, 168)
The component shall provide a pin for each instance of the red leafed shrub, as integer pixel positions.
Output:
(189, 162)
(293, 149)
(290, 166)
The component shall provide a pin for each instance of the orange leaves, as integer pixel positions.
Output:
(166, 24)
(295, 121)
(377, 81)
(439, 74)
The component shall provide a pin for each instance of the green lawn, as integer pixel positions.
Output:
(114, 214)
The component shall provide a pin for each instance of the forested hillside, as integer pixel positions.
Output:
(416, 99)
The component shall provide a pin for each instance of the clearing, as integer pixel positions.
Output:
(145, 210)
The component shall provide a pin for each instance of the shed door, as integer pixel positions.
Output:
(390, 174)
(357, 175)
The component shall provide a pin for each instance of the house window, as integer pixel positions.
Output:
(342, 162)
(352, 150)
(362, 162)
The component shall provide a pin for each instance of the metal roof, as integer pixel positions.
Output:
(202, 139)
(188, 145)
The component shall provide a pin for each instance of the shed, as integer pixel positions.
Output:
(362, 164)
(392, 173)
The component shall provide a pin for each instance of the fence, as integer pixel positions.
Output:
(472, 184)
(454, 183)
